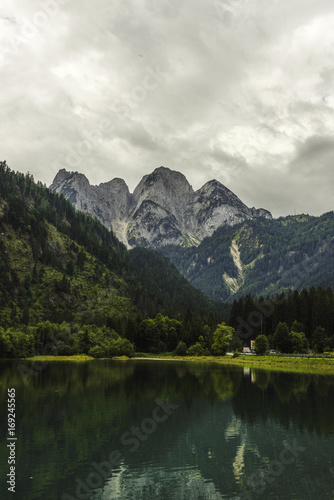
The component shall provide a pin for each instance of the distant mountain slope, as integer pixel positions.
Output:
(261, 257)
(163, 209)
(164, 286)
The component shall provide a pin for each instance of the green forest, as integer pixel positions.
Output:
(68, 286)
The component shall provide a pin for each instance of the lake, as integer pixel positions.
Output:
(144, 429)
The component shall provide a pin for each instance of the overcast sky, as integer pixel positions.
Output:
(237, 90)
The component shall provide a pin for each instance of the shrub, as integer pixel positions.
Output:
(197, 350)
(181, 349)
(120, 347)
(97, 351)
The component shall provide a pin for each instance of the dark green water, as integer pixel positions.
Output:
(174, 430)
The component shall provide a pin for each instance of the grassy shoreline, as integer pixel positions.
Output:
(288, 364)
(75, 357)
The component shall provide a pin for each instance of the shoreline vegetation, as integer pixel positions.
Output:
(321, 366)
(309, 365)
(75, 357)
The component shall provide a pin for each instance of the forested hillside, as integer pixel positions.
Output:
(261, 257)
(163, 287)
(63, 273)
(308, 311)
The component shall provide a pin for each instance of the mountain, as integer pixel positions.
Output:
(61, 266)
(261, 257)
(223, 248)
(67, 283)
(163, 209)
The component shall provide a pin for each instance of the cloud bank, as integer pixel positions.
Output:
(237, 90)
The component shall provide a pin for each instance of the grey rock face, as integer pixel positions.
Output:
(163, 209)
(153, 226)
(110, 202)
(210, 207)
(168, 188)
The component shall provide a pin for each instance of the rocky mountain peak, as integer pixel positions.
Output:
(115, 189)
(216, 190)
(70, 184)
(163, 178)
(61, 176)
(163, 209)
(172, 177)
(115, 183)
(165, 187)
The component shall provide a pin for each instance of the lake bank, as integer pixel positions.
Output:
(293, 364)
(75, 357)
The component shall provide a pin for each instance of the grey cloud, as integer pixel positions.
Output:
(313, 149)
(138, 136)
(235, 164)
(239, 99)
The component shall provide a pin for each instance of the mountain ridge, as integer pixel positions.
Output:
(224, 248)
(163, 208)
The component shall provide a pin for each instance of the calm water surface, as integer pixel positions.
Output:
(167, 430)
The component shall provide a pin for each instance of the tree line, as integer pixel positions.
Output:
(291, 322)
